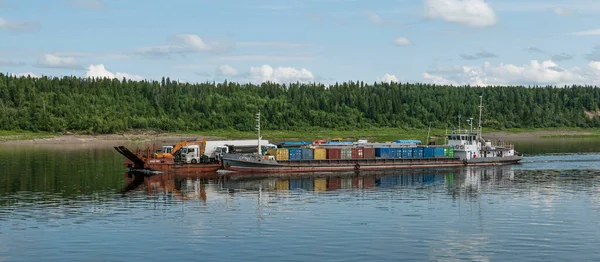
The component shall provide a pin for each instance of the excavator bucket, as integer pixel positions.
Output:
(131, 156)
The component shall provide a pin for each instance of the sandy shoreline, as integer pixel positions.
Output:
(145, 138)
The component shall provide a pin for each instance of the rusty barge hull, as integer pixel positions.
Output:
(182, 168)
(302, 166)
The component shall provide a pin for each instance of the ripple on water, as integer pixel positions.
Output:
(497, 213)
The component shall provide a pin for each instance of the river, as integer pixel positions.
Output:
(78, 203)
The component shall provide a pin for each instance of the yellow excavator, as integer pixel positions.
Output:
(169, 153)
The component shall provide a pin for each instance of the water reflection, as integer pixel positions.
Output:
(186, 187)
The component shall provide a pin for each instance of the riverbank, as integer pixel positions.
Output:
(378, 134)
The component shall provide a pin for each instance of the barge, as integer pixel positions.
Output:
(200, 156)
(463, 148)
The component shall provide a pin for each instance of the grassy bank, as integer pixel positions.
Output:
(374, 134)
(24, 135)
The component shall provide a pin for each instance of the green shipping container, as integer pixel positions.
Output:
(448, 151)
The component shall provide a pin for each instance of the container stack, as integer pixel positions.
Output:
(403, 149)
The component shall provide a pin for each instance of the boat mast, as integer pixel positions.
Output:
(480, 109)
(258, 128)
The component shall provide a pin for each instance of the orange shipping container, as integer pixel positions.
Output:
(320, 154)
(369, 153)
(282, 154)
(334, 153)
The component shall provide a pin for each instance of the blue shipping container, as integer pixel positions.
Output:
(383, 153)
(439, 152)
(429, 152)
(418, 152)
(295, 154)
(407, 152)
(308, 154)
(396, 152)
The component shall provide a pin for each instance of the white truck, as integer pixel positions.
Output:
(216, 148)
(213, 150)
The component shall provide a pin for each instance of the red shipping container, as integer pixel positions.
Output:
(334, 153)
(369, 153)
(358, 152)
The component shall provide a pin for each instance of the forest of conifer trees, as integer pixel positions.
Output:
(113, 105)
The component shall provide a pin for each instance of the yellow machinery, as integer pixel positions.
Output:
(171, 153)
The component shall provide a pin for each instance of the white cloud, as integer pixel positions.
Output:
(20, 26)
(264, 58)
(181, 44)
(266, 73)
(98, 71)
(387, 78)
(24, 75)
(588, 32)
(226, 70)
(6, 62)
(374, 18)
(274, 44)
(378, 21)
(535, 73)
(54, 61)
(401, 41)
(562, 11)
(191, 42)
(474, 13)
(87, 4)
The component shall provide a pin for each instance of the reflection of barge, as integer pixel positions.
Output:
(467, 147)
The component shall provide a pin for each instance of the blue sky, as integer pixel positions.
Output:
(435, 41)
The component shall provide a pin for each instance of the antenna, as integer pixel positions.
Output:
(458, 123)
(470, 121)
(258, 128)
(480, 109)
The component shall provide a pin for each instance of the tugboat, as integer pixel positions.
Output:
(464, 148)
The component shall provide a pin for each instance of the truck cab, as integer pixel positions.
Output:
(190, 154)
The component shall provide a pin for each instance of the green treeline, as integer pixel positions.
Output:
(108, 106)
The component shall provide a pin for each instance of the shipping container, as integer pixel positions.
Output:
(295, 154)
(272, 152)
(320, 154)
(308, 154)
(396, 152)
(429, 152)
(334, 153)
(407, 152)
(383, 152)
(347, 153)
(439, 152)
(282, 154)
(369, 153)
(449, 151)
(417, 152)
(320, 184)
(358, 153)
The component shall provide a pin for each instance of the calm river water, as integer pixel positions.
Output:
(77, 203)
